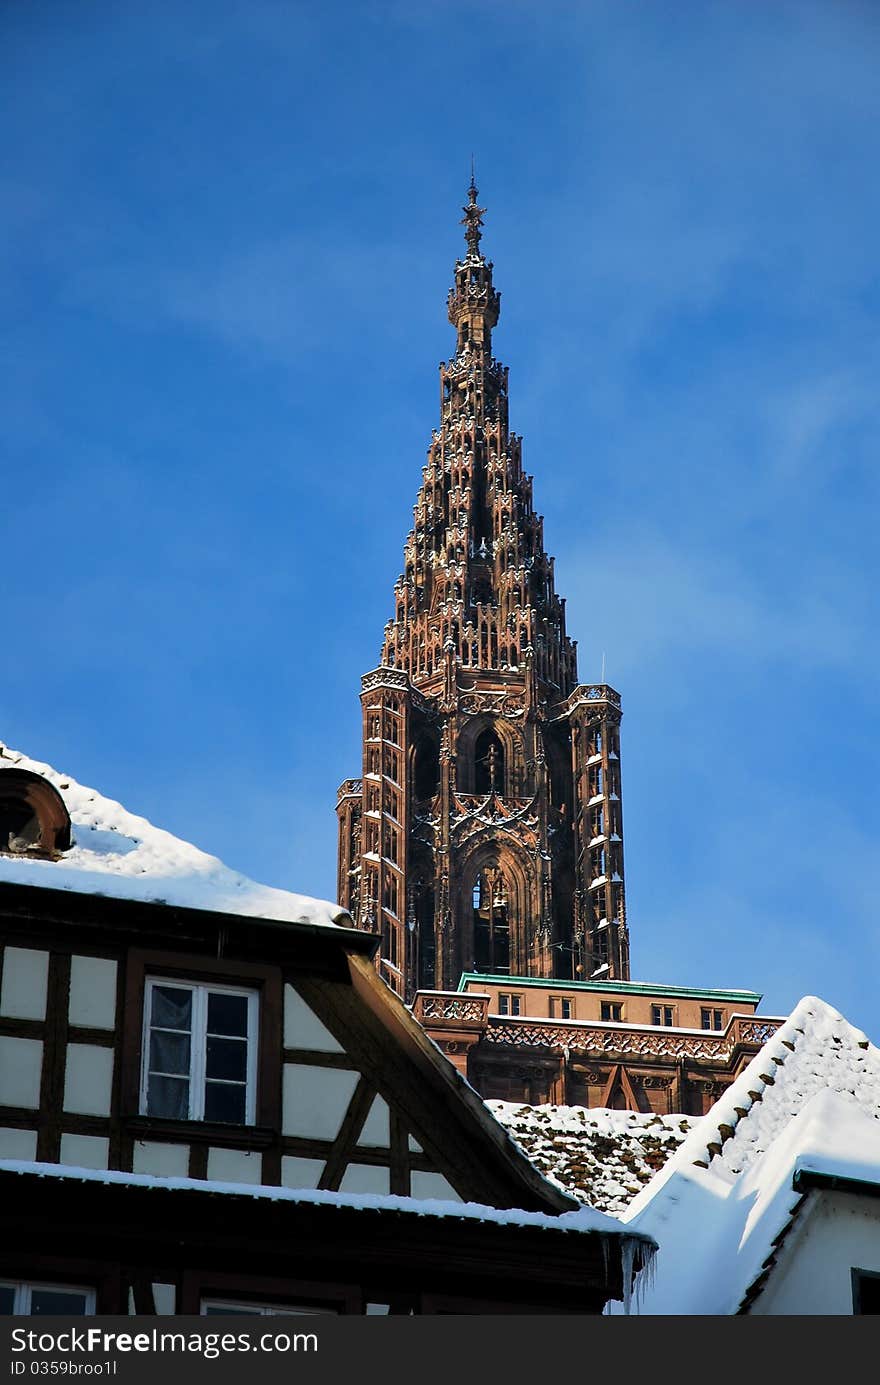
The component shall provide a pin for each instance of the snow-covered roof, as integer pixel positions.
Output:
(809, 1101)
(583, 1219)
(602, 1157)
(118, 854)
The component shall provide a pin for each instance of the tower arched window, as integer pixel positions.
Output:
(491, 923)
(488, 763)
(426, 768)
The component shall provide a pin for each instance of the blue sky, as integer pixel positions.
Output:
(227, 234)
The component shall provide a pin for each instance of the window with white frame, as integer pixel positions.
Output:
(200, 1052)
(18, 1299)
(509, 1004)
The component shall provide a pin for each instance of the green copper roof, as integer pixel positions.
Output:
(619, 987)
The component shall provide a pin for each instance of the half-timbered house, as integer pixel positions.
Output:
(210, 1102)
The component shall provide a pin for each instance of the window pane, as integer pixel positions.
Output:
(224, 1103)
(169, 1052)
(7, 1300)
(227, 1014)
(227, 1058)
(49, 1301)
(168, 1096)
(172, 1008)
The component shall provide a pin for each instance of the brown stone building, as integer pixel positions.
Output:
(625, 1044)
(484, 838)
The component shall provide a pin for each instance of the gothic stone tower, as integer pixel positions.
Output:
(486, 831)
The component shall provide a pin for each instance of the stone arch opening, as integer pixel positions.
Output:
(494, 906)
(557, 750)
(491, 922)
(488, 763)
(475, 738)
(426, 766)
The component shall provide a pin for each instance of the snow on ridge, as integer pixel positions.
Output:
(816, 1049)
(809, 1100)
(602, 1157)
(119, 854)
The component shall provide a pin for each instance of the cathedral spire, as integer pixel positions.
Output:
(486, 830)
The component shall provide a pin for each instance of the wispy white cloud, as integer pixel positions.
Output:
(649, 600)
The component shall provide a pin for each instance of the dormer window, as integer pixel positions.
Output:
(33, 818)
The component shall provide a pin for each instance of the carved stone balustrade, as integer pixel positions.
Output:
(451, 1007)
(632, 1041)
(455, 1021)
(349, 788)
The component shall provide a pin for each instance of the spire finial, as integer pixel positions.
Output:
(473, 217)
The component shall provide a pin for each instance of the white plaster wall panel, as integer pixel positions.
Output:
(21, 1066)
(25, 980)
(414, 1146)
(17, 1144)
(432, 1187)
(377, 1126)
(88, 1080)
(365, 1178)
(85, 1151)
(167, 1161)
(840, 1232)
(315, 1100)
(235, 1165)
(93, 992)
(302, 1028)
(300, 1173)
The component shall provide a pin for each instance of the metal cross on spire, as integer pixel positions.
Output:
(473, 217)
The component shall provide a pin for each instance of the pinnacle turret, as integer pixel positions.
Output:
(473, 303)
(473, 221)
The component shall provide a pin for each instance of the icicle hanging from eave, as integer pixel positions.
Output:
(637, 1266)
